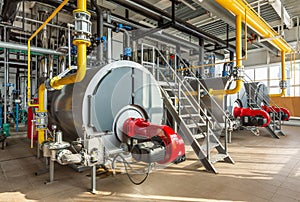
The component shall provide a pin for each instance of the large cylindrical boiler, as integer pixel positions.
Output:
(104, 100)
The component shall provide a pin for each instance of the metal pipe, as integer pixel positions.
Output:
(283, 78)
(239, 81)
(5, 77)
(109, 39)
(144, 8)
(29, 49)
(93, 181)
(240, 7)
(21, 47)
(41, 108)
(100, 24)
(69, 44)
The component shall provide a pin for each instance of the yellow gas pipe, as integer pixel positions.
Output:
(58, 82)
(28, 50)
(241, 7)
(42, 89)
(239, 82)
(283, 77)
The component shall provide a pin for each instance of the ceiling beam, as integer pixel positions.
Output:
(277, 5)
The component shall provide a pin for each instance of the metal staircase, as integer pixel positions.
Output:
(198, 127)
(274, 128)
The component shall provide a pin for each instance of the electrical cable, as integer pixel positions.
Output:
(125, 163)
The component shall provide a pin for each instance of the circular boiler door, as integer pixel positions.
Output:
(125, 84)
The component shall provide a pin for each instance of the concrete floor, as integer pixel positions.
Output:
(266, 169)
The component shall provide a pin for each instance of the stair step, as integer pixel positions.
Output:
(171, 89)
(166, 84)
(218, 157)
(211, 146)
(193, 125)
(199, 136)
(189, 115)
(182, 98)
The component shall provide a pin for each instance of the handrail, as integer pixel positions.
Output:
(204, 88)
(187, 89)
(264, 97)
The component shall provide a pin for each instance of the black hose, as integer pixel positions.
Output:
(125, 163)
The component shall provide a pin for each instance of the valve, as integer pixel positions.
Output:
(121, 26)
(283, 84)
(41, 120)
(238, 73)
(83, 25)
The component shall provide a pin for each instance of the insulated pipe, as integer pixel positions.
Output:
(283, 78)
(239, 82)
(21, 47)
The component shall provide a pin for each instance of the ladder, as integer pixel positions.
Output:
(194, 122)
(274, 128)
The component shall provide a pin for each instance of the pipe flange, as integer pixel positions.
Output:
(41, 120)
(283, 84)
(82, 26)
(238, 72)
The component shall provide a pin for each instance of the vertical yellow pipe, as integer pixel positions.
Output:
(238, 22)
(283, 77)
(41, 93)
(81, 5)
(238, 82)
(81, 44)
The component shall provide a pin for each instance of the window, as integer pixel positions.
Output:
(271, 77)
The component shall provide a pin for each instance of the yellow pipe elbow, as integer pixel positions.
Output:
(238, 86)
(283, 92)
(283, 77)
(58, 83)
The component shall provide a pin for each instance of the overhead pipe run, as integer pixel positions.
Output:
(243, 9)
(150, 11)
